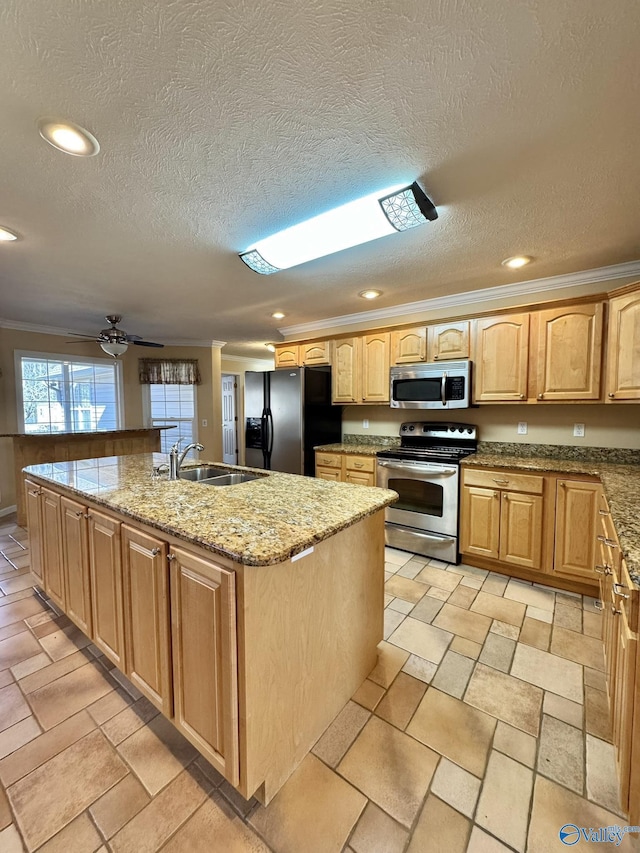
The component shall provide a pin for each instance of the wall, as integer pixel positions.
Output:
(605, 425)
(239, 365)
(208, 393)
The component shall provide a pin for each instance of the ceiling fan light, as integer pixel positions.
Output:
(115, 349)
(6, 235)
(517, 262)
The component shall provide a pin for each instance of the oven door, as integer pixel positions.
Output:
(428, 494)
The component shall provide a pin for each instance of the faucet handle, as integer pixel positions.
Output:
(176, 447)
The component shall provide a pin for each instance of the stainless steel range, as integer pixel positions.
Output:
(425, 472)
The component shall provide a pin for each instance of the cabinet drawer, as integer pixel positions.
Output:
(360, 463)
(328, 460)
(530, 483)
(334, 474)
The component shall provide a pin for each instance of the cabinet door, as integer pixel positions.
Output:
(521, 529)
(287, 355)
(375, 368)
(623, 704)
(345, 372)
(576, 514)
(480, 522)
(448, 341)
(34, 525)
(501, 358)
(106, 586)
(408, 346)
(205, 680)
(145, 592)
(316, 353)
(570, 353)
(623, 361)
(333, 474)
(52, 547)
(75, 561)
(359, 478)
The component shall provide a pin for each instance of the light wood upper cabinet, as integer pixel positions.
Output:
(408, 346)
(375, 368)
(52, 546)
(106, 586)
(623, 357)
(576, 522)
(345, 375)
(448, 341)
(75, 560)
(501, 358)
(287, 355)
(34, 523)
(145, 585)
(205, 677)
(569, 352)
(318, 352)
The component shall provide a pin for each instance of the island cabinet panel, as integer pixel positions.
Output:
(408, 346)
(448, 341)
(623, 355)
(75, 560)
(576, 519)
(33, 512)
(52, 546)
(106, 585)
(205, 678)
(501, 358)
(569, 352)
(480, 522)
(145, 590)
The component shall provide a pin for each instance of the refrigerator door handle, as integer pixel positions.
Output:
(270, 431)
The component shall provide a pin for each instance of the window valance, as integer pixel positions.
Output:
(169, 371)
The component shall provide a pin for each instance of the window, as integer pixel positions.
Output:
(57, 394)
(172, 405)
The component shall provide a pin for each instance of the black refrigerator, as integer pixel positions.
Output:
(288, 412)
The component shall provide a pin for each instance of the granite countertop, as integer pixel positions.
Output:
(621, 483)
(86, 432)
(259, 523)
(348, 447)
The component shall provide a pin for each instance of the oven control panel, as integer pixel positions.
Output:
(441, 430)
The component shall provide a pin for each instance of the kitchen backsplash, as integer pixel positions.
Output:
(385, 440)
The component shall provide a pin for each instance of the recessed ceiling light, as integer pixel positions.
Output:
(370, 294)
(6, 236)
(517, 262)
(68, 137)
(270, 347)
(278, 315)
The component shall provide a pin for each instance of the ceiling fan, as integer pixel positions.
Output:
(114, 341)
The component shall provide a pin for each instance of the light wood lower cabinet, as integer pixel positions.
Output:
(576, 514)
(52, 547)
(106, 584)
(346, 468)
(480, 522)
(75, 561)
(34, 522)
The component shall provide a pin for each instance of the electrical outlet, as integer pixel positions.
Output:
(365, 423)
(523, 429)
(205, 422)
(578, 430)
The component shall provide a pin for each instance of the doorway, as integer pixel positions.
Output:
(229, 419)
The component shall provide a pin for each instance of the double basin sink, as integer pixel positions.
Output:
(210, 475)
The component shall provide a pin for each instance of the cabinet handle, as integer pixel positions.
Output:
(155, 552)
(35, 494)
(80, 514)
(562, 483)
(611, 395)
(598, 605)
(357, 464)
(500, 482)
(606, 541)
(616, 590)
(522, 396)
(540, 396)
(603, 570)
(496, 495)
(171, 557)
(604, 512)
(615, 611)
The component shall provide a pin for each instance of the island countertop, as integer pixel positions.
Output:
(259, 523)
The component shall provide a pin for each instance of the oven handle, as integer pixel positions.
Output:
(415, 532)
(419, 468)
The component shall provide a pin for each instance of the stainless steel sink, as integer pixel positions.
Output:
(213, 476)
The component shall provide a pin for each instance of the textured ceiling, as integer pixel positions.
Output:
(222, 122)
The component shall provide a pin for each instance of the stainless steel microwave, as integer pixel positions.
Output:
(446, 385)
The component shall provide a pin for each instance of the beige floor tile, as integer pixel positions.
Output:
(127, 722)
(44, 747)
(391, 659)
(569, 599)
(439, 578)
(497, 652)
(387, 598)
(110, 705)
(15, 596)
(21, 609)
(13, 706)
(18, 735)
(80, 835)
(548, 671)
(495, 584)
(503, 808)
(562, 709)
(47, 674)
(157, 821)
(468, 571)
(12, 630)
(401, 700)
(594, 678)
(532, 596)
(63, 643)
(436, 592)
(602, 777)
(405, 589)
(391, 768)
(561, 753)
(235, 799)
(5, 809)
(6, 677)
(421, 639)
(376, 832)
(511, 632)
(472, 583)
(535, 633)
(368, 694)
(516, 744)
(52, 626)
(119, 805)
(440, 829)
(24, 580)
(397, 557)
(392, 618)
(341, 733)
(463, 596)
(17, 648)
(419, 668)
(465, 647)
(454, 729)
(540, 614)
(10, 841)
(511, 612)
(427, 609)
(587, 651)
(215, 820)
(568, 617)
(596, 706)
(481, 842)
(555, 806)
(69, 694)
(453, 674)
(314, 796)
(456, 787)
(32, 664)
(56, 792)
(157, 753)
(411, 569)
(592, 624)
(400, 606)
(464, 623)
(124, 682)
(509, 699)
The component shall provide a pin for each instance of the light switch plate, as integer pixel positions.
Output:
(523, 429)
(205, 422)
(578, 430)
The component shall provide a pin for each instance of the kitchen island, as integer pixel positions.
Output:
(249, 614)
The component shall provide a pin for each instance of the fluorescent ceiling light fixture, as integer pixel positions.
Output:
(385, 212)
(370, 294)
(278, 315)
(517, 262)
(114, 348)
(6, 235)
(68, 137)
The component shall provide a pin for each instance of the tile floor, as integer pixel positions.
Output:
(483, 728)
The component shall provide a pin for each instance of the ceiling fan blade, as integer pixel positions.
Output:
(85, 341)
(132, 338)
(81, 335)
(145, 344)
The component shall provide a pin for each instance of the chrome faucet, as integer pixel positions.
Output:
(176, 458)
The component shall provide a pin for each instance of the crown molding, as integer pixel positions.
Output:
(246, 359)
(473, 297)
(19, 326)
